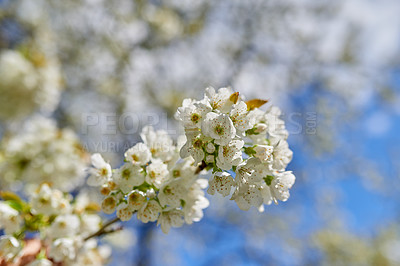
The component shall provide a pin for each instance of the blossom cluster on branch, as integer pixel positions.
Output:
(59, 224)
(245, 148)
(152, 182)
(41, 152)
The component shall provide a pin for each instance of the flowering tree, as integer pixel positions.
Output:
(63, 60)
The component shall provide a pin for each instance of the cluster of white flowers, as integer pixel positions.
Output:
(223, 133)
(235, 138)
(152, 182)
(63, 224)
(27, 83)
(41, 152)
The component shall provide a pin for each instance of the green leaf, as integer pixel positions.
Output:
(8, 195)
(16, 205)
(34, 222)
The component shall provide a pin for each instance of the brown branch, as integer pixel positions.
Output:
(113, 230)
(102, 230)
(201, 167)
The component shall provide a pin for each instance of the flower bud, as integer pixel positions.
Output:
(260, 128)
(209, 158)
(105, 190)
(210, 148)
(108, 205)
(150, 193)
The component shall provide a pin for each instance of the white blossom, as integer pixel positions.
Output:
(266, 195)
(219, 127)
(157, 173)
(128, 176)
(93, 255)
(276, 126)
(159, 143)
(124, 211)
(138, 154)
(47, 201)
(264, 152)
(248, 197)
(184, 169)
(172, 192)
(26, 86)
(260, 170)
(109, 204)
(40, 152)
(149, 211)
(101, 171)
(282, 155)
(9, 247)
(193, 147)
(222, 183)
(230, 154)
(10, 219)
(195, 202)
(192, 113)
(64, 226)
(219, 100)
(244, 171)
(90, 223)
(64, 249)
(260, 128)
(281, 184)
(171, 218)
(241, 118)
(136, 199)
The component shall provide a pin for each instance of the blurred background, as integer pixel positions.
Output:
(101, 70)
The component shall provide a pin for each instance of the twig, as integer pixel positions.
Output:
(113, 230)
(201, 167)
(103, 230)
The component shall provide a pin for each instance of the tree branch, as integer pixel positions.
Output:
(201, 167)
(102, 230)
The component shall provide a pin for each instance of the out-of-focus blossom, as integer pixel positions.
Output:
(61, 225)
(41, 152)
(27, 85)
